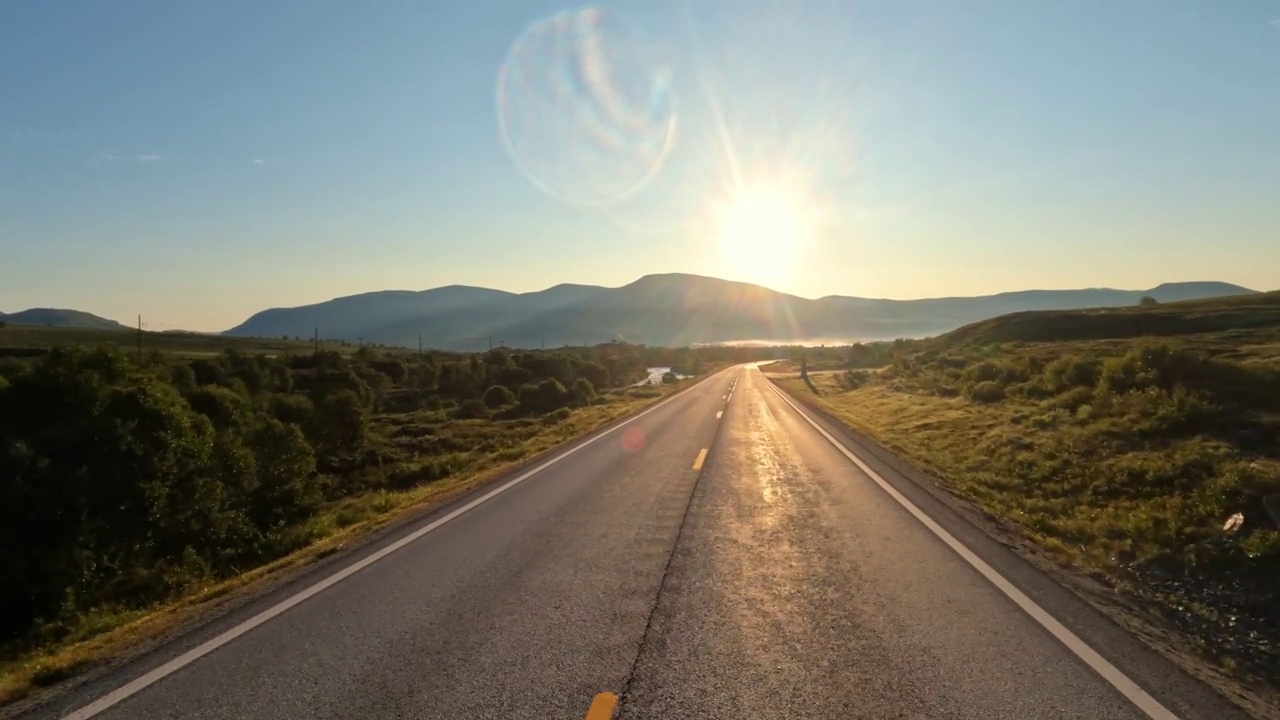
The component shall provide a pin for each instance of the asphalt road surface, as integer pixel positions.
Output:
(719, 556)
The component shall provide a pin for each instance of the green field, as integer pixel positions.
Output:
(1120, 441)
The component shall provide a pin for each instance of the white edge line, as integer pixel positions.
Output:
(186, 658)
(1113, 675)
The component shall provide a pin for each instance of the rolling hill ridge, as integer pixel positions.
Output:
(54, 317)
(669, 309)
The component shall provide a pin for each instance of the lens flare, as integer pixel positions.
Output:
(633, 439)
(585, 107)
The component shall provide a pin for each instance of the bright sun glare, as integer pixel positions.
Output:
(760, 232)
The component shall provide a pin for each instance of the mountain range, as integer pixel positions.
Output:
(670, 309)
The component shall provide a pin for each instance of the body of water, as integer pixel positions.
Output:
(655, 376)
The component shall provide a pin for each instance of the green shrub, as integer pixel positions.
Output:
(542, 397)
(556, 416)
(853, 379)
(471, 408)
(11, 367)
(498, 396)
(292, 408)
(583, 391)
(987, 392)
(985, 371)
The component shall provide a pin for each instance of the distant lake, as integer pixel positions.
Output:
(655, 376)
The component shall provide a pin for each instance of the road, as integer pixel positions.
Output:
(718, 556)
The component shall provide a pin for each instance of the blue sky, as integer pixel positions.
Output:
(197, 162)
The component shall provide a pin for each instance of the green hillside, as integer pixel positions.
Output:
(1248, 314)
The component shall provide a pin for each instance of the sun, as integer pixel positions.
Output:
(760, 232)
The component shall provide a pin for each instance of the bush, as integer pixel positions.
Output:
(393, 369)
(283, 464)
(556, 416)
(543, 397)
(985, 371)
(1068, 372)
(987, 392)
(854, 379)
(292, 408)
(341, 423)
(225, 408)
(11, 367)
(669, 378)
(471, 408)
(1074, 398)
(583, 391)
(498, 396)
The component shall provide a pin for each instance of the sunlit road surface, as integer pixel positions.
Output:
(717, 557)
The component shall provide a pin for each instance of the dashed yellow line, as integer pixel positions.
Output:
(702, 456)
(602, 706)
(719, 413)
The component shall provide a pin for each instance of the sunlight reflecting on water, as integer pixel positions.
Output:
(585, 106)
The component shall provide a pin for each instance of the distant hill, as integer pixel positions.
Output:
(672, 309)
(1237, 314)
(52, 317)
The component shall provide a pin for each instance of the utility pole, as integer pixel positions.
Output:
(544, 344)
(419, 344)
(317, 354)
(490, 342)
(139, 338)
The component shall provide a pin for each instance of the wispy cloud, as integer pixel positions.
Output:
(259, 161)
(112, 157)
(1276, 23)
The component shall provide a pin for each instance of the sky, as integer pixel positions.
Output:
(198, 162)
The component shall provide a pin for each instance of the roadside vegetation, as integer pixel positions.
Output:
(130, 483)
(1140, 444)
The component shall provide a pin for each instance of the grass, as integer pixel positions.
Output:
(1253, 316)
(1119, 456)
(481, 450)
(32, 339)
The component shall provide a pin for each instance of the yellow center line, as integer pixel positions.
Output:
(702, 456)
(602, 706)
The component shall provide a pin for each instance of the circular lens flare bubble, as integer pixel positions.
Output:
(585, 107)
(633, 439)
